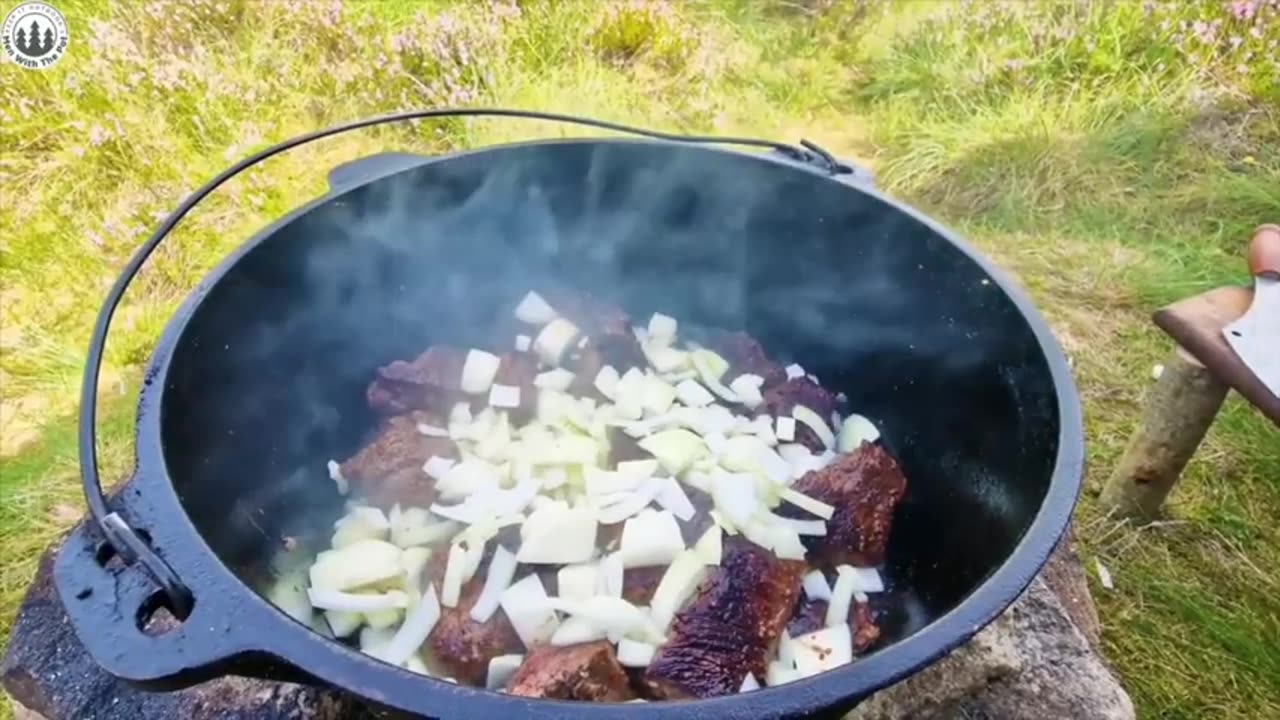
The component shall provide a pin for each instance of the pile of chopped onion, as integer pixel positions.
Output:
(552, 477)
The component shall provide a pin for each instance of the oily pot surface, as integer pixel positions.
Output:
(266, 381)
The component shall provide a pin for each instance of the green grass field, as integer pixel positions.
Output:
(1113, 155)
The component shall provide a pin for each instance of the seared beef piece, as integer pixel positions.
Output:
(639, 584)
(730, 627)
(781, 399)
(430, 381)
(864, 486)
(746, 355)
(389, 469)
(811, 615)
(589, 671)
(460, 647)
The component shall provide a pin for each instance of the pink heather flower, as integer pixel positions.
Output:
(1244, 9)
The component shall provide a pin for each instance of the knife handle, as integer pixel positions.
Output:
(1264, 252)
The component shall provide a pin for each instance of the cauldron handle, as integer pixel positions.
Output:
(119, 535)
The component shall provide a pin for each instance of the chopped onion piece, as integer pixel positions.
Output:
(866, 580)
(662, 329)
(451, 586)
(605, 482)
(804, 502)
(335, 474)
(501, 669)
(432, 430)
(373, 641)
(711, 367)
(361, 563)
(794, 371)
(710, 546)
(341, 623)
(412, 562)
(816, 587)
(323, 599)
(678, 584)
(675, 449)
(667, 360)
(734, 496)
(841, 596)
(672, 497)
(786, 651)
(806, 527)
(383, 619)
(717, 443)
(786, 431)
(289, 594)
(747, 388)
(762, 427)
(534, 310)
(638, 468)
(620, 506)
(523, 343)
(823, 650)
(815, 423)
(856, 430)
(635, 654)
(554, 339)
(615, 616)
(658, 395)
(611, 575)
(779, 674)
(691, 393)
(782, 540)
(466, 478)
(578, 582)
(504, 396)
(749, 683)
(557, 379)
(528, 608)
(417, 625)
(361, 523)
(558, 535)
(628, 395)
(502, 569)
(577, 630)
(607, 381)
(650, 538)
(478, 371)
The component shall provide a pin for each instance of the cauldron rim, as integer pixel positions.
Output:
(343, 667)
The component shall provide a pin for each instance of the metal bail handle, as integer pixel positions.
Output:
(118, 533)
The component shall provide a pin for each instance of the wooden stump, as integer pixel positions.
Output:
(1180, 409)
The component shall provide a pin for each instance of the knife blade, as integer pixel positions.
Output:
(1255, 336)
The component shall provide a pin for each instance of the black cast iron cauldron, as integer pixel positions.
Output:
(258, 380)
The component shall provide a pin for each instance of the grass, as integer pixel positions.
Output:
(1113, 156)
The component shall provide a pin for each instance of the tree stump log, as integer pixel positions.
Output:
(1179, 410)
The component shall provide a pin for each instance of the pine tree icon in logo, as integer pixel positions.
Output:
(32, 42)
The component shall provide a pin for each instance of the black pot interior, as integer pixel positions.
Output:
(266, 382)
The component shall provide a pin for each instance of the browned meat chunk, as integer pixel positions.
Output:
(639, 584)
(864, 487)
(782, 399)
(589, 671)
(389, 469)
(430, 381)
(811, 615)
(461, 648)
(747, 356)
(730, 627)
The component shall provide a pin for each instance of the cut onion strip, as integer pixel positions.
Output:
(611, 575)
(816, 528)
(675, 449)
(691, 393)
(794, 371)
(617, 617)
(523, 343)
(786, 431)
(823, 650)
(866, 580)
(478, 371)
(502, 569)
(557, 535)
(323, 599)
(417, 625)
(557, 379)
(577, 630)
(335, 474)
(432, 430)
(650, 538)
(856, 430)
(841, 596)
(578, 582)
(451, 586)
(749, 683)
(816, 587)
(504, 396)
(678, 584)
(672, 497)
(554, 339)
(804, 502)
(815, 423)
(606, 381)
(662, 329)
(501, 670)
(710, 546)
(528, 608)
(634, 654)
(532, 309)
(747, 388)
